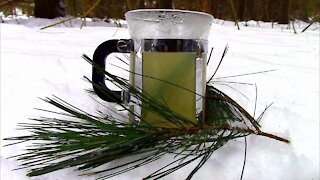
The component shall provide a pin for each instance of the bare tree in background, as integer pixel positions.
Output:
(49, 8)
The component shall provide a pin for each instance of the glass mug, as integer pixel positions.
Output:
(168, 58)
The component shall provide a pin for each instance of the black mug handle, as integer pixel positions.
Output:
(99, 60)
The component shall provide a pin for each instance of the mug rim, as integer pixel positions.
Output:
(169, 10)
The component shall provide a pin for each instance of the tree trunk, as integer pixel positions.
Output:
(165, 4)
(241, 10)
(49, 8)
(272, 6)
(266, 12)
(205, 6)
(283, 11)
(135, 4)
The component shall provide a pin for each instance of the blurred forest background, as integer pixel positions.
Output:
(281, 11)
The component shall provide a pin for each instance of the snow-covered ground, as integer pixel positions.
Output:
(39, 63)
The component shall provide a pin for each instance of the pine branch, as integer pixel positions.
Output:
(88, 141)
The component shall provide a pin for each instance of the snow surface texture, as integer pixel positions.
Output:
(40, 63)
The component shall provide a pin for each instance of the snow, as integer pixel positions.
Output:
(41, 63)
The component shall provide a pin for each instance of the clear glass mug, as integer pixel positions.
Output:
(168, 54)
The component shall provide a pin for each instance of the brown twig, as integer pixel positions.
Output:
(195, 130)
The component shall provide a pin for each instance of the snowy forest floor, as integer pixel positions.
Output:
(39, 63)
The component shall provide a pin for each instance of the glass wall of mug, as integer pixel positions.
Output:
(168, 62)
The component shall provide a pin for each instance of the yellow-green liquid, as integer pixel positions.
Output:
(177, 68)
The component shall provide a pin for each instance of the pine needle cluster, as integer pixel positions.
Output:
(86, 142)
